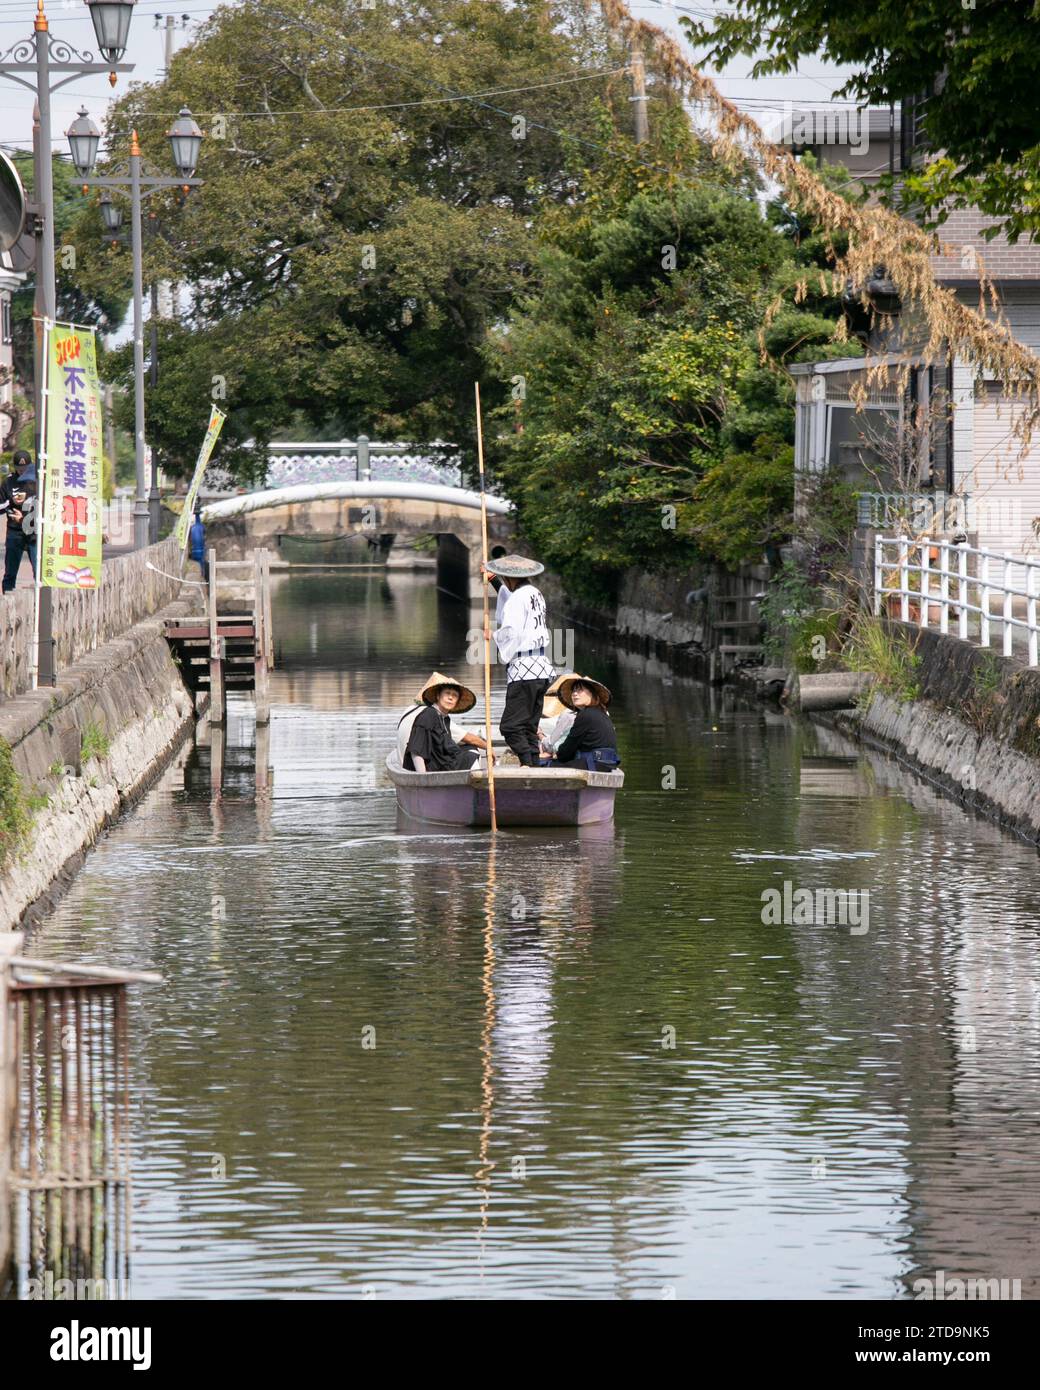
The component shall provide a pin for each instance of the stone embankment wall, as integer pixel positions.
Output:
(663, 614)
(85, 618)
(975, 731)
(79, 752)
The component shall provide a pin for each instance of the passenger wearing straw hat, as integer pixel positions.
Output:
(592, 742)
(523, 641)
(555, 723)
(427, 741)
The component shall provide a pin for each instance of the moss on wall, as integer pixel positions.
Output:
(15, 817)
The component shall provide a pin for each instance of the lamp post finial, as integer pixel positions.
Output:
(40, 22)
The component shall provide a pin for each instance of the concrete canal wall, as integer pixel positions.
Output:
(84, 619)
(974, 731)
(667, 615)
(74, 755)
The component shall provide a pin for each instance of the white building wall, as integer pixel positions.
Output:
(1004, 478)
(963, 424)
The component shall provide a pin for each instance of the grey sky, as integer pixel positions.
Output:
(763, 98)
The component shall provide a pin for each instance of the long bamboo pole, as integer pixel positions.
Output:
(487, 614)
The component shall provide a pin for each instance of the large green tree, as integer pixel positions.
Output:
(653, 417)
(975, 63)
(361, 226)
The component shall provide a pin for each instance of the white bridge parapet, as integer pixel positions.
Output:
(362, 460)
(247, 502)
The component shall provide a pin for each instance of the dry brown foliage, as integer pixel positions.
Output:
(876, 235)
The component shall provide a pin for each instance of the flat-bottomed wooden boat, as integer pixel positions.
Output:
(523, 796)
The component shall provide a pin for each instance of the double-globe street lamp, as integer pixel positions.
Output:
(34, 63)
(185, 141)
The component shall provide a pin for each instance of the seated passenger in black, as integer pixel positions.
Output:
(592, 742)
(431, 747)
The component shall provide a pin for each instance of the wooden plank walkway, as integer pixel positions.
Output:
(220, 652)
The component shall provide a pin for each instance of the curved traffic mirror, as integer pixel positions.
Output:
(12, 204)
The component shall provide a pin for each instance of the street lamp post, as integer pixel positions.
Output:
(33, 64)
(112, 220)
(185, 141)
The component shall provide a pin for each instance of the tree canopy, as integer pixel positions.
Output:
(647, 428)
(361, 227)
(974, 65)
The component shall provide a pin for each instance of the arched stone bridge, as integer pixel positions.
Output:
(381, 512)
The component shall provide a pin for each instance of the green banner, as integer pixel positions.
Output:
(70, 479)
(216, 421)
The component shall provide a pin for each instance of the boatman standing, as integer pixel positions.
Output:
(523, 641)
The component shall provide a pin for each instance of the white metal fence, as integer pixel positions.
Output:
(932, 582)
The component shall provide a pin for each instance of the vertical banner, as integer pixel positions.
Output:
(216, 421)
(72, 472)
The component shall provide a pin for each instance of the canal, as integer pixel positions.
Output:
(390, 1062)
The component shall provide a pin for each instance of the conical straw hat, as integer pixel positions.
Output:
(568, 682)
(551, 705)
(514, 567)
(428, 694)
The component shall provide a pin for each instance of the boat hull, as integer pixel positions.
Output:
(553, 796)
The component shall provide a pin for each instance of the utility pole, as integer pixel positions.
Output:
(43, 657)
(168, 31)
(141, 527)
(639, 97)
(153, 379)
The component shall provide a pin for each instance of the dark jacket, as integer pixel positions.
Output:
(592, 728)
(431, 740)
(197, 540)
(8, 488)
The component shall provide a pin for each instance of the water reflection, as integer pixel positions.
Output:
(416, 1062)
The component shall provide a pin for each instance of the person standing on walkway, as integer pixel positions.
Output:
(197, 544)
(523, 641)
(18, 505)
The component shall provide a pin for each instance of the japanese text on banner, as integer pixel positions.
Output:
(216, 420)
(72, 428)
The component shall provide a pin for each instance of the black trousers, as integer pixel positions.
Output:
(519, 726)
(17, 545)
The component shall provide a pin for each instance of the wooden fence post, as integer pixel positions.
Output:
(216, 649)
(268, 625)
(10, 945)
(260, 691)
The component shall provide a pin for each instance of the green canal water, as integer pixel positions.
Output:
(389, 1062)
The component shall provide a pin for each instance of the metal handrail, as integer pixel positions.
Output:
(90, 972)
(986, 585)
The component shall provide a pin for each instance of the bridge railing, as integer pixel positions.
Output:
(361, 460)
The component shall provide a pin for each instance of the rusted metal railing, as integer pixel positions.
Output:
(69, 1137)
